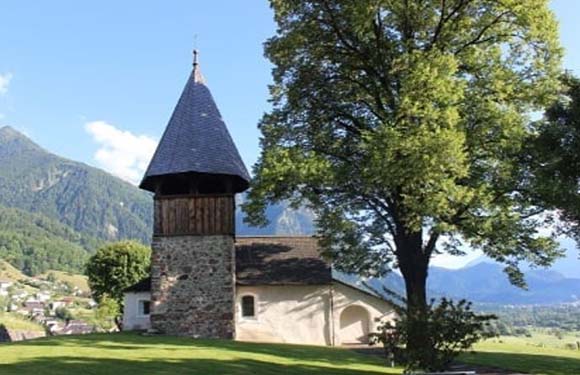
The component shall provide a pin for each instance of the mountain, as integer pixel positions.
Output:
(84, 198)
(486, 283)
(568, 265)
(282, 218)
(55, 211)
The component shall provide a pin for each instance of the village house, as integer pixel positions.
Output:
(34, 307)
(19, 295)
(43, 296)
(5, 286)
(74, 327)
(206, 282)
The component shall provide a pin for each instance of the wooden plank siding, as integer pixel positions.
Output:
(194, 215)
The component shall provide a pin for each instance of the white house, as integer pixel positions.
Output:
(43, 296)
(4, 286)
(285, 293)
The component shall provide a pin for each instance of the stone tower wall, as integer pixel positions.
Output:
(192, 286)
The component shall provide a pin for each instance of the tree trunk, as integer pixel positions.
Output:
(413, 264)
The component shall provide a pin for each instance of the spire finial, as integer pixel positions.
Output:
(195, 53)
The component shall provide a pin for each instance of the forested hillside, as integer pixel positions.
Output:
(84, 198)
(54, 211)
(34, 243)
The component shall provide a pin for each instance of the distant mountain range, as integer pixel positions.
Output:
(55, 211)
(486, 283)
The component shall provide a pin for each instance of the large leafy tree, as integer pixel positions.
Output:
(402, 123)
(115, 267)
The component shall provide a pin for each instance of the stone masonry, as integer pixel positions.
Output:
(192, 286)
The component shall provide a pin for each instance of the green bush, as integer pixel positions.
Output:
(63, 313)
(452, 327)
(115, 267)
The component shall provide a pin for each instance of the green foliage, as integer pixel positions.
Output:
(63, 313)
(565, 317)
(451, 328)
(115, 267)
(402, 124)
(107, 313)
(554, 156)
(34, 243)
(394, 118)
(51, 277)
(4, 303)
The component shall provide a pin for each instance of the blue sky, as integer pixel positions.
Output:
(66, 64)
(97, 81)
(71, 63)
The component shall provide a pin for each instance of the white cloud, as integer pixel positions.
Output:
(5, 82)
(121, 153)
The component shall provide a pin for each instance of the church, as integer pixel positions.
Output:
(205, 281)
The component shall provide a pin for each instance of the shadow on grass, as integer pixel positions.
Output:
(110, 357)
(64, 365)
(529, 363)
(133, 341)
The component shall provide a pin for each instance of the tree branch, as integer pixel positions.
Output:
(431, 244)
(477, 39)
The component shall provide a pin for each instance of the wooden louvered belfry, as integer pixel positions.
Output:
(194, 215)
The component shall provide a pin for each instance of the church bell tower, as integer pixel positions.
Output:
(195, 173)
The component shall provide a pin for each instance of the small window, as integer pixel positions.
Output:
(248, 307)
(144, 307)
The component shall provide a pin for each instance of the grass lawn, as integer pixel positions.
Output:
(543, 338)
(520, 354)
(127, 353)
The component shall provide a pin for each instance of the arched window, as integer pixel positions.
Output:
(248, 307)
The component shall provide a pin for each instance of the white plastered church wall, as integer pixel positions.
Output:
(307, 314)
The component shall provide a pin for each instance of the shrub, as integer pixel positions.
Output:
(453, 327)
(63, 313)
(107, 313)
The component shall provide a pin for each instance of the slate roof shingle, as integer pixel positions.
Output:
(196, 140)
(280, 260)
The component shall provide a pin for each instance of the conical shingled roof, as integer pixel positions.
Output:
(196, 140)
